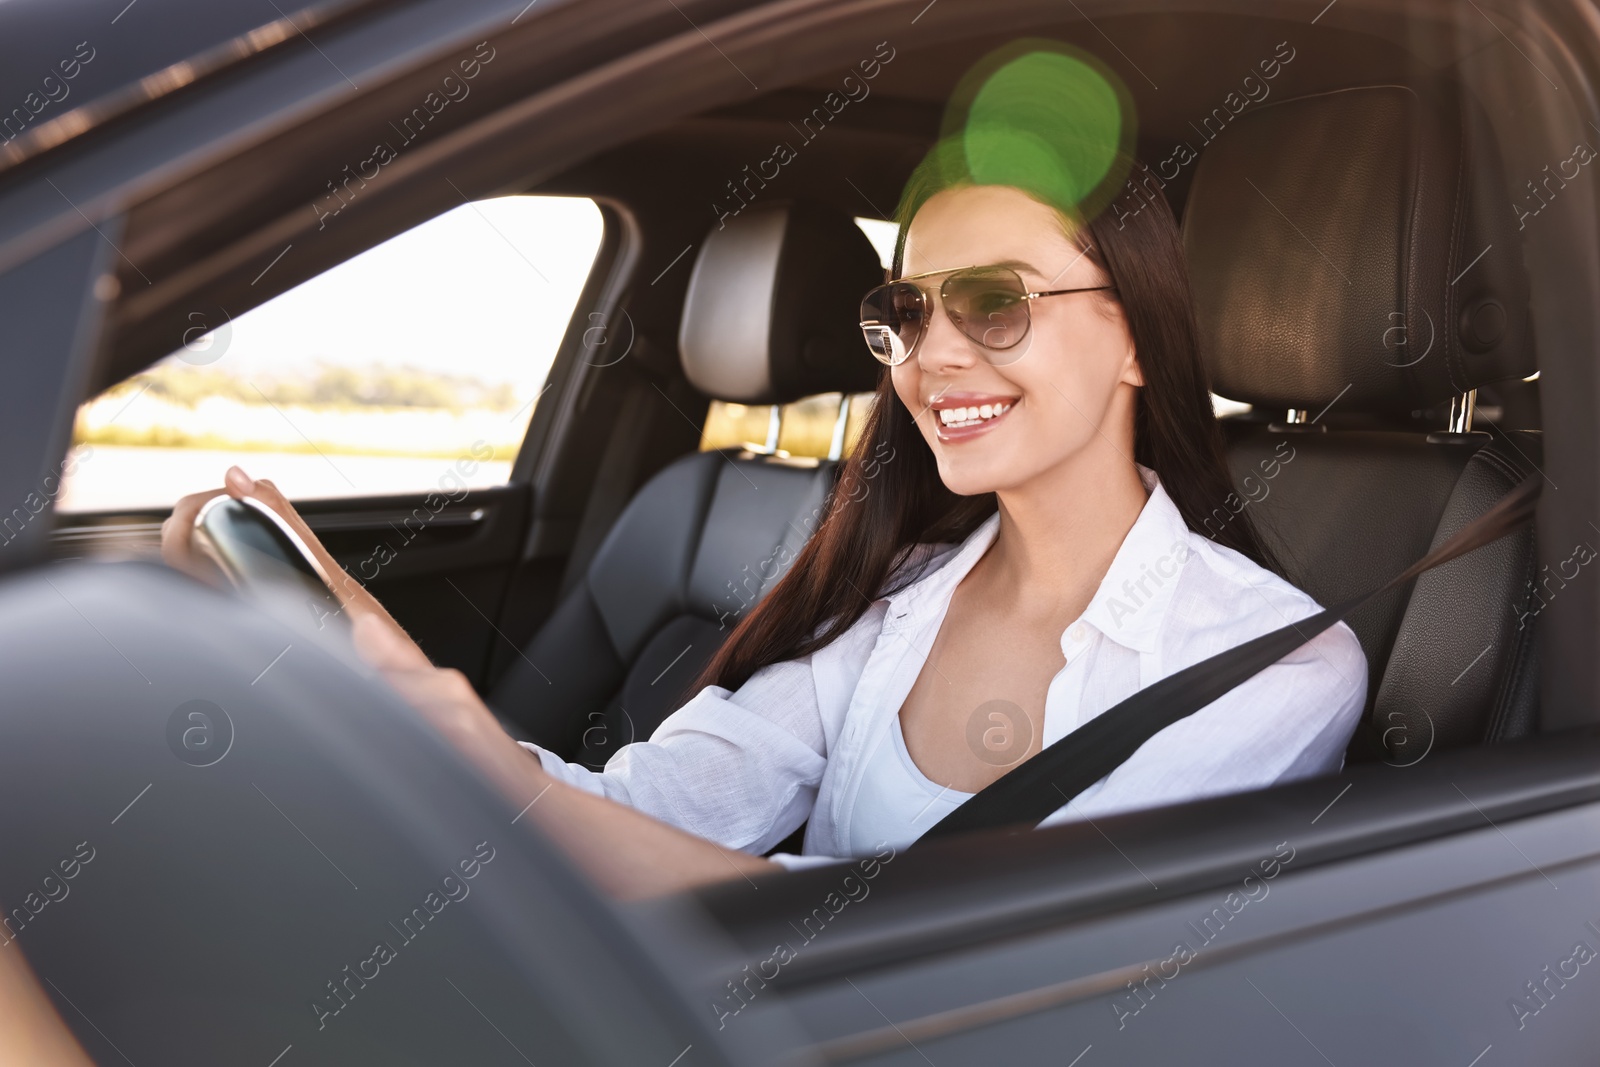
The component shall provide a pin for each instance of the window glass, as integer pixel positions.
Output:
(882, 234)
(806, 428)
(728, 425)
(808, 425)
(422, 355)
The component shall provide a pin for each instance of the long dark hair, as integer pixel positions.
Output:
(889, 497)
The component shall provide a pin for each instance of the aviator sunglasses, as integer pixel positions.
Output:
(988, 304)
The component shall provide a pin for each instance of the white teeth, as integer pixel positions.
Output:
(971, 416)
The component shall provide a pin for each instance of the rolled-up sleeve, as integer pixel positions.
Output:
(738, 768)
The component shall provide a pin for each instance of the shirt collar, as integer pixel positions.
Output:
(939, 583)
(1132, 598)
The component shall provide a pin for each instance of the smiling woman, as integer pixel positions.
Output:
(1034, 523)
(1041, 447)
(1037, 543)
(1079, 572)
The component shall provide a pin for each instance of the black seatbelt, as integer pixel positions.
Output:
(1028, 793)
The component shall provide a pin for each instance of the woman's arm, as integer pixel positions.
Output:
(740, 768)
(30, 1030)
(627, 853)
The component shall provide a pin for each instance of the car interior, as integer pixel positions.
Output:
(625, 555)
(1357, 257)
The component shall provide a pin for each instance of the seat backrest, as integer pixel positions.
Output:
(1353, 262)
(770, 317)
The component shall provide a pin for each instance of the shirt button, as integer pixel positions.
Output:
(1077, 632)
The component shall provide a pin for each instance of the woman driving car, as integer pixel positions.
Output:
(1042, 544)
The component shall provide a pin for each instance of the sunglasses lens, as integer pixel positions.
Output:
(989, 306)
(892, 319)
(885, 345)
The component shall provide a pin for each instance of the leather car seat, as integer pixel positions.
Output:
(1352, 254)
(770, 317)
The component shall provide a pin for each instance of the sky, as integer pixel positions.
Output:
(484, 290)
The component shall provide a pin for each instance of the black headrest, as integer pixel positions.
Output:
(774, 306)
(1353, 243)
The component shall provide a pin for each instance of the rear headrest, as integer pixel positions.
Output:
(1350, 245)
(774, 306)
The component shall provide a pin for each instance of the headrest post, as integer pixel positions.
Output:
(774, 427)
(836, 446)
(1297, 420)
(1461, 411)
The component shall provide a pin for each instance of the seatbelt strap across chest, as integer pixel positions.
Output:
(1034, 789)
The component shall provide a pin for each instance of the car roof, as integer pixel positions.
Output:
(127, 55)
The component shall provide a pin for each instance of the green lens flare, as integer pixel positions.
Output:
(1036, 114)
(1046, 121)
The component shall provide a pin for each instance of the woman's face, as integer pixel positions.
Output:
(1067, 391)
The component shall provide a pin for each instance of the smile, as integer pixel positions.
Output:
(971, 416)
(964, 416)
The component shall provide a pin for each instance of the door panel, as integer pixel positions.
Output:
(440, 574)
(1362, 918)
(1411, 957)
(440, 570)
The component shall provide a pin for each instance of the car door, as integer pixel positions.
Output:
(1439, 913)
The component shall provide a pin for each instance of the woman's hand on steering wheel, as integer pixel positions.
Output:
(181, 551)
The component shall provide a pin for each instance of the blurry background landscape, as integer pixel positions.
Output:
(374, 377)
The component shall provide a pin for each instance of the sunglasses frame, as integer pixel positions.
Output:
(925, 295)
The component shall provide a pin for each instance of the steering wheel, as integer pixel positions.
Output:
(259, 551)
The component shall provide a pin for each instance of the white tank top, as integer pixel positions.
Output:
(896, 802)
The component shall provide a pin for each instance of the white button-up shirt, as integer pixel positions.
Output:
(746, 768)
